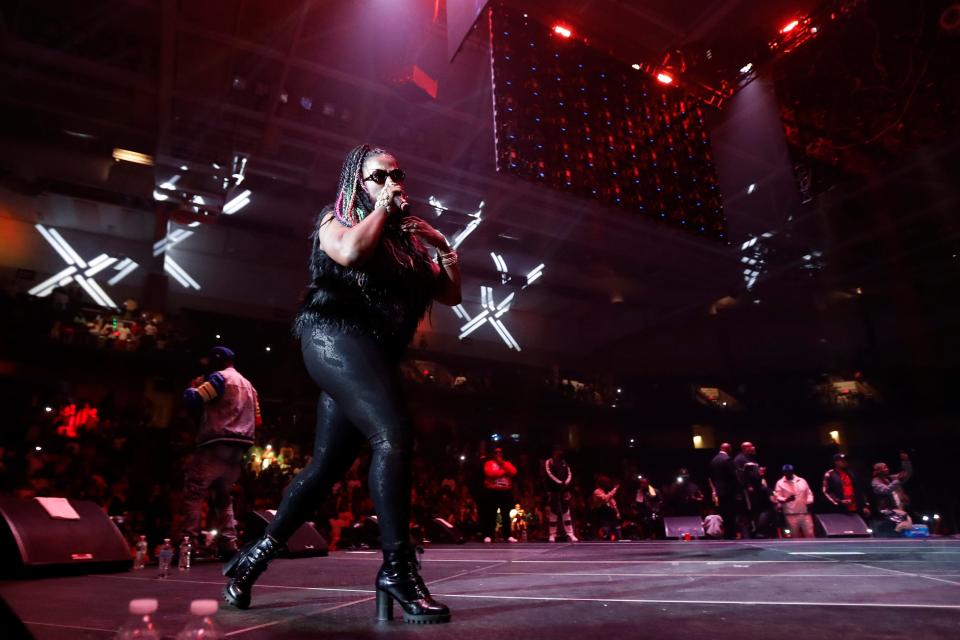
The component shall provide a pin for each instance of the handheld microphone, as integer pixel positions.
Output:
(401, 203)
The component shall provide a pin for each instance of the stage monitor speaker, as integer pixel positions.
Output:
(305, 541)
(678, 526)
(362, 534)
(842, 524)
(71, 536)
(439, 531)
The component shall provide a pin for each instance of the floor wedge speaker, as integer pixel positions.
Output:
(842, 524)
(305, 541)
(54, 534)
(439, 531)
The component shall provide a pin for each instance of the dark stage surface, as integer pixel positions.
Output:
(757, 589)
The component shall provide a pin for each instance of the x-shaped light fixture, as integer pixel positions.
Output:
(491, 311)
(81, 271)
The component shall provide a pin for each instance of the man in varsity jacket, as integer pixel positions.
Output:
(231, 413)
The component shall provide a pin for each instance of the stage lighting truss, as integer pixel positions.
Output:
(491, 310)
(793, 34)
(813, 261)
(754, 258)
(234, 201)
(82, 271)
(239, 169)
(169, 185)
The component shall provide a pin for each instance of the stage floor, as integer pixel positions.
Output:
(757, 589)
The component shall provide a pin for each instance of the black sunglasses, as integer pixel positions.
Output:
(380, 176)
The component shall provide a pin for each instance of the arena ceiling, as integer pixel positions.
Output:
(292, 84)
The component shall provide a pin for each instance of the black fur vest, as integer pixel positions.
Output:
(382, 299)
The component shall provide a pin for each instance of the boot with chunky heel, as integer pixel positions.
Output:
(399, 580)
(244, 569)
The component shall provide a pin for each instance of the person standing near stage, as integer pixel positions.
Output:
(683, 497)
(557, 477)
(842, 491)
(231, 413)
(725, 489)
(891, 499)
(605, 509)
(794, 497)
(648, 504)
(498, 474)
(748, 477)
(373, 278)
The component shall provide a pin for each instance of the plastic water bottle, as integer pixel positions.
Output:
(185, 549)
(140, 625)
(165, 557)
(201, 625)
(140, 559)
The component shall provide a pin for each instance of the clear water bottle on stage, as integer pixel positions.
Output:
(140, 625)
(201, 625)
(185, 550)
(165, 557)
(140, 559)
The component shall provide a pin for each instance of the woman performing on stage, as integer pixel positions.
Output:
(373, 279)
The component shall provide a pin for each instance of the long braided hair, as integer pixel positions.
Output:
(353, 204)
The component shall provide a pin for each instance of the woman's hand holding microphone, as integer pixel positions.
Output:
(387, 195)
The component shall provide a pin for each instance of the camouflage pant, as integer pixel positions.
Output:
(212, 470)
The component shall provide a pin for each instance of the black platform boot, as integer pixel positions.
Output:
(244, 569)
(400, 580)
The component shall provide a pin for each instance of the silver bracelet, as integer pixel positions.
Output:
(448, 259)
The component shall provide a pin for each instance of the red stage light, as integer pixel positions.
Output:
(561, 30)
(665, 78)
(790, 26)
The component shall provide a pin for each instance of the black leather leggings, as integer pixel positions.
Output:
(360, 398)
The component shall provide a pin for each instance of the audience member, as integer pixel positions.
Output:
(764, 515)
(606, 512)
(683, 497)
(231, 413)
(725, 489)
(713, 526)
(748, 477)
(96, 452)
(842, 491)
(498, 475)
(557, 477)
(648, 505)
(891, 499)
(794, 497)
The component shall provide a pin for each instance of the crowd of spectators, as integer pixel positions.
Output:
(67, 317)
(126, 329)
(118, 457)
(134, 472)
